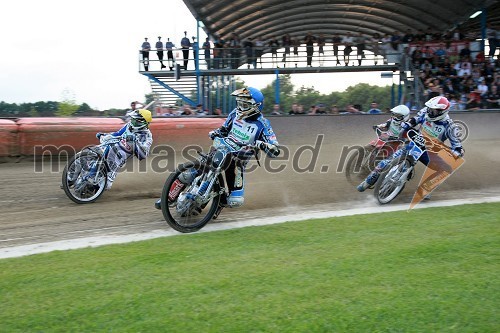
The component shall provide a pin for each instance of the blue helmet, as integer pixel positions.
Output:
(249, 102)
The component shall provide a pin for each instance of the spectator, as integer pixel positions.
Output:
(347, 48)
(218, 52)
(492, 98)
(186, 110)
(321, 52)
(286, 42)
(473, 101)
(249, 53)
(385, 46)
(185, 45)
(274, 44)
(295, 44)
(309, 41)
(492, 35)
(259, 51)
(276, 110)
(360, 42)
(169, 46)
(312, 110)
(374, 108)
(234, 50)
(375, 46)
(199, 112)
(294, 110)
(334, 109)
(170, 112)
(336, 41)
(351, 109)
(206, 52)
(217, 112)
(145, 48)
(465, 52)
(134, 106)
(159, 52)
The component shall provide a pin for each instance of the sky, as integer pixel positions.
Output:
(88, 51)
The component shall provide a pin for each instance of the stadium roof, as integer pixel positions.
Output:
(274, 18)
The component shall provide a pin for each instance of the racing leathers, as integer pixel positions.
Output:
(440, 130)
(255, 130)
(133, 142)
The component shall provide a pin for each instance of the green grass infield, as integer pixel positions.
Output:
(427, 270)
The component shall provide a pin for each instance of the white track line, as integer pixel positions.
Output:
(78, 243)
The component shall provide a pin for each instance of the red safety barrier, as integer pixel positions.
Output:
(37, 136)
(8, 138)
(183, 131)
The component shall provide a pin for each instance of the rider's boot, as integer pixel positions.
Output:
(368, 182)
(158, 204)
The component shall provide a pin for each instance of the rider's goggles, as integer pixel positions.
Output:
(397, 116)
(137, 122)
(244, 105)
(434, 112)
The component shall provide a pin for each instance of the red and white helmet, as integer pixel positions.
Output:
(437, 108)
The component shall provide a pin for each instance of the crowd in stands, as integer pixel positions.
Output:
(444, 62)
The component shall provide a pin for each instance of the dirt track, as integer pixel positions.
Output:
(34, 209)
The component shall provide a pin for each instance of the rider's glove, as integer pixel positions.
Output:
(213, 134)
(129, 137)
(98, 135)
(260, 144)
(459, 152)
(405, 125)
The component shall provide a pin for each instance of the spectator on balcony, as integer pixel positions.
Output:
(274, 44)
(185, 45)
(259, 45)
(465, 52)
(385, 46)
(309, 41)
(145, 48)
(206, 52)
(408, 37)
(347, 40)
(250, 52)
(336, 41)
(374, 41)
(159, 52)
(321, 52)
(396, 41)
(360, 42)
(295, 45)
(218, 53)
(234, 44)
(286, 43)
(169, 46)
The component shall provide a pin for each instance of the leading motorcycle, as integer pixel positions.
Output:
(195, 193)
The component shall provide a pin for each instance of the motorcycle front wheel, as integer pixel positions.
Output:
(192, 217)
(391, 181)
(84, 178)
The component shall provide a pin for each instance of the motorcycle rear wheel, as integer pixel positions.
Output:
(389, 185)
(79, 190)
(356, 170)
(197, 217)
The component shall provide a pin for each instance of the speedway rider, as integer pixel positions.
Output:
(136, 139)
(392, 126)
(246, 126)
(435, 123)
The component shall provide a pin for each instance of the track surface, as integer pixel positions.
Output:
(35, 210)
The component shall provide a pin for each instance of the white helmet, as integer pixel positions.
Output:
(400, 113)
(437, 108)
